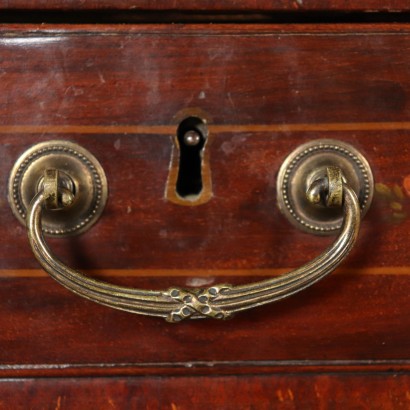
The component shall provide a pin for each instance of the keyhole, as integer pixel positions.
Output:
(191, 134)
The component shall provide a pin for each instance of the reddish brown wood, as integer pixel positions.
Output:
(264, 90)
(160, 71)
(208, 5)
(346, 319)
(147, 232)
(293, 77)
(376, 392)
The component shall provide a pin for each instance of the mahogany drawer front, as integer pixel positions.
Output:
(379, 391)
(264, 90)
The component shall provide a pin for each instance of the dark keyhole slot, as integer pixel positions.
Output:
(191, 136)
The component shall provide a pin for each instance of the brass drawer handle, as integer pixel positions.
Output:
(218, 301)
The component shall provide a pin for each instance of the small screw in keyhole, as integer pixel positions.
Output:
(192, 138)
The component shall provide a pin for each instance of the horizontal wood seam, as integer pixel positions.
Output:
(38, 273)
(205, 367)
(199, 29)
(215, 128)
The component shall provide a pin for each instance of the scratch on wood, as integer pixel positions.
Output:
(290, 393)
(317, 392)
(58, 406)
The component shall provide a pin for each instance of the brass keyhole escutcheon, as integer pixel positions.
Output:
(189, 180)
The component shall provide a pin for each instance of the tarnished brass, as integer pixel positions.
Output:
(327, 191)
(57, 195)
(219, 301)
(309, 165)
(82, 185)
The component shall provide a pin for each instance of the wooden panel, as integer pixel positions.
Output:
(282, 75)
(147, 232)
(264, 90)
(376, 392)
(304, 85)
(222, 5)
(344, 320)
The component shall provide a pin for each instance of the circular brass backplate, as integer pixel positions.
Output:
(85, 172)
(303, 166)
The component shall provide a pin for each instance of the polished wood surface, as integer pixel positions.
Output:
(120, 91)
(325, 391)
(346, 320)
(147, 232)
(127, 112)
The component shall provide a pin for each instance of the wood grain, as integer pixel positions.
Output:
(297, 75)
(364, 391)
(198, 273)
(147, 232)
(120, 91)
(339, 320)
(84, 93)
(214, 128)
